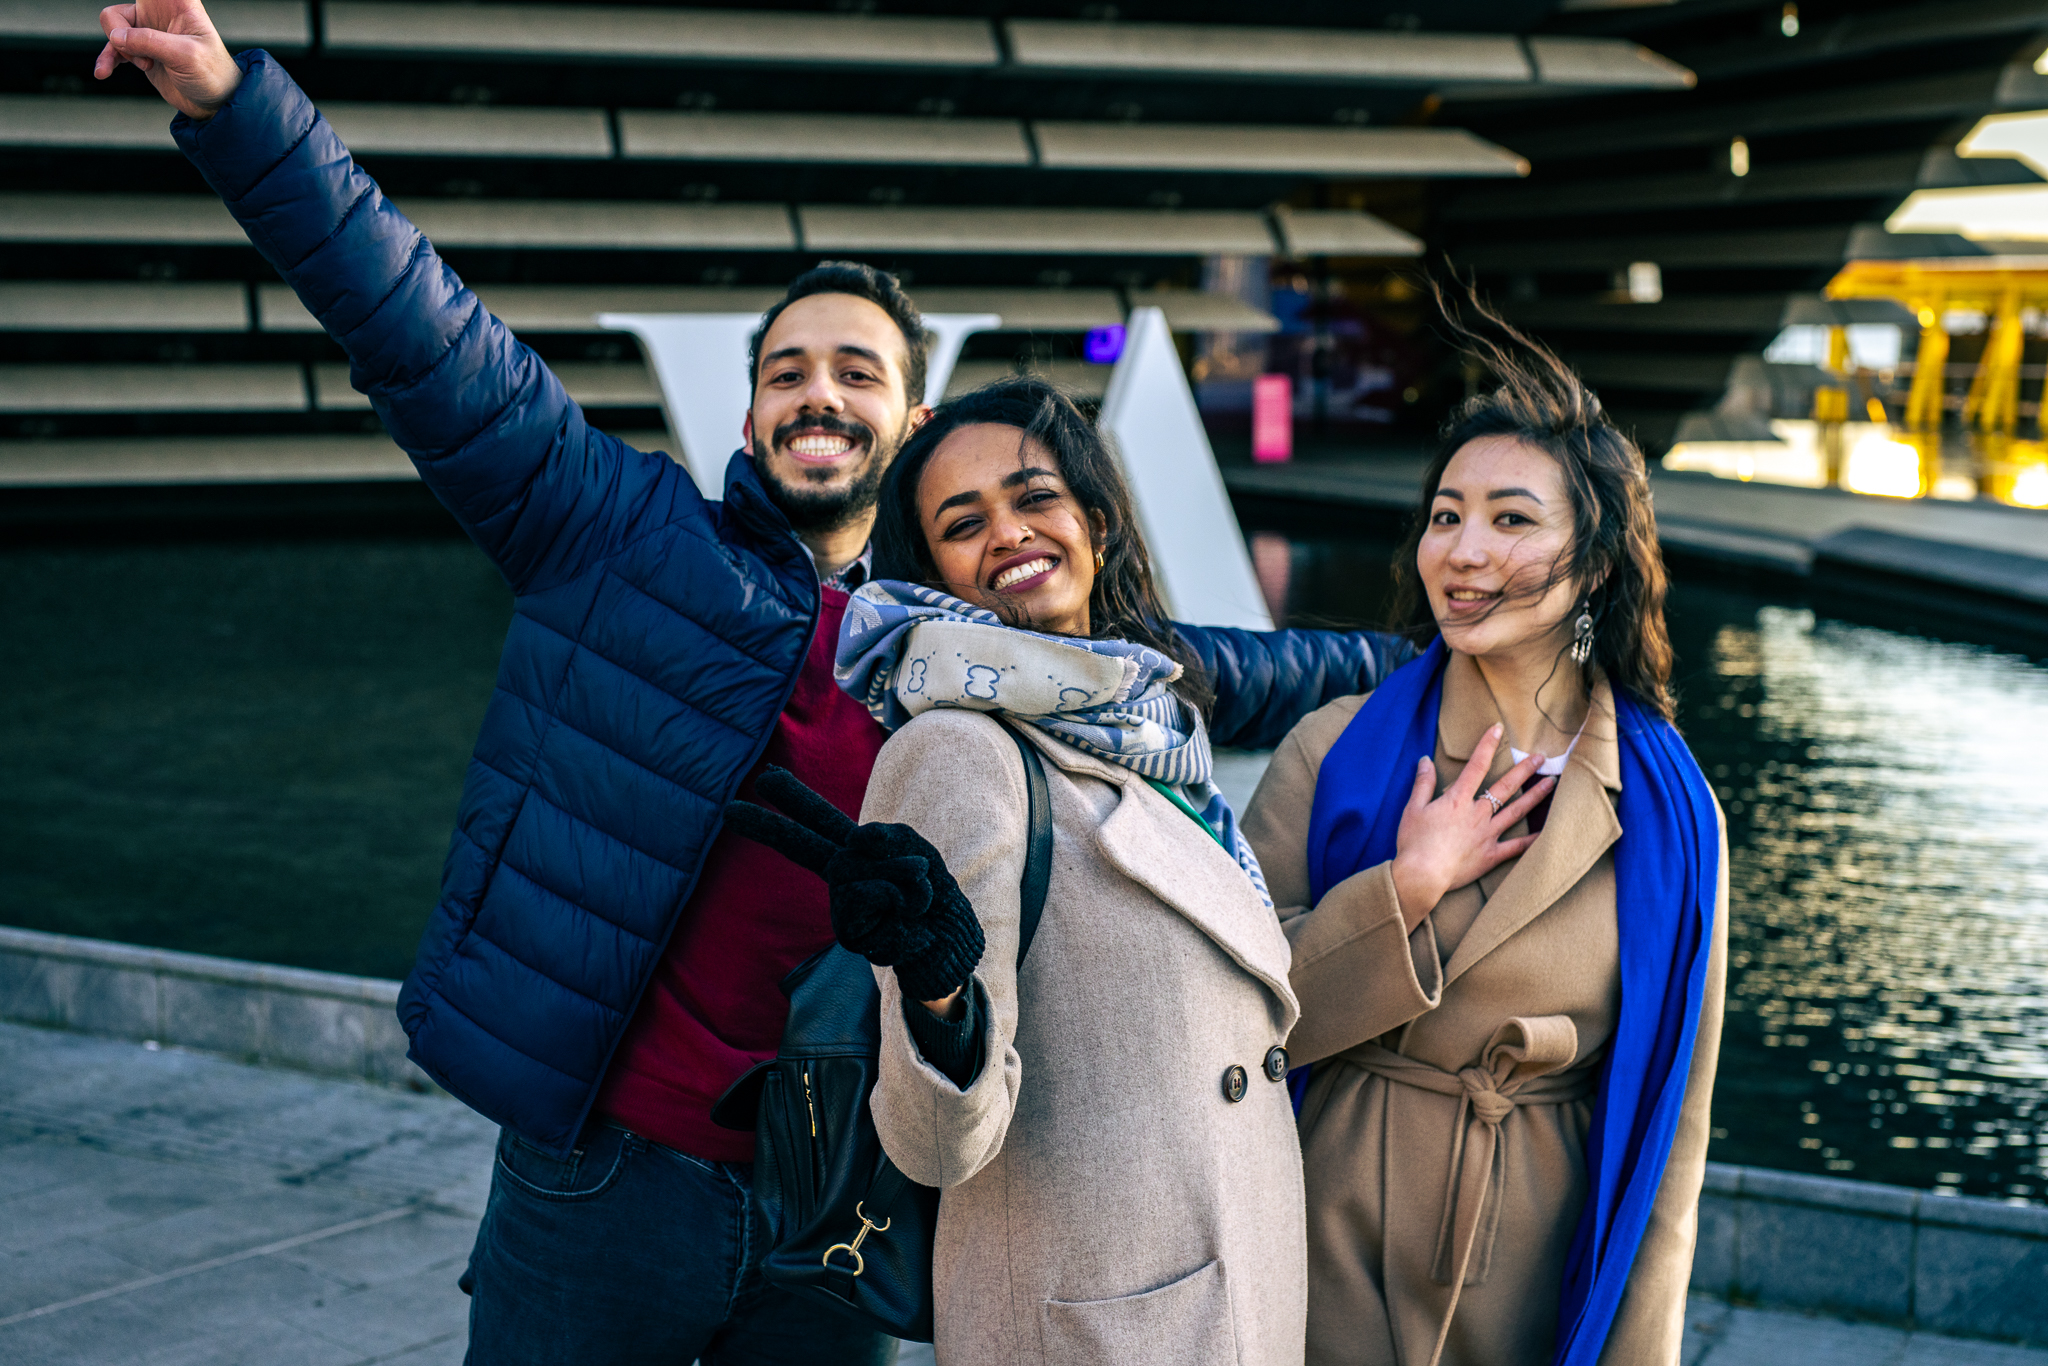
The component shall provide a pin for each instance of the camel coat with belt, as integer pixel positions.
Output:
(1105, 1201)
(1455, 1068)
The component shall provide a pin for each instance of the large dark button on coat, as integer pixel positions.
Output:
(1234, 1082)
(1276, 1063)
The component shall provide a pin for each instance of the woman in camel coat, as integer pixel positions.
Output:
(1458, 1030)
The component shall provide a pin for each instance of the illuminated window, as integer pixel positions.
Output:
(1645, 282)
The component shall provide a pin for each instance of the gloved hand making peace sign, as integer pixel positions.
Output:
(893, 901)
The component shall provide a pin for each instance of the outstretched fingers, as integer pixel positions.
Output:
(809, 809)
(1466, 786)
(1425, 784)
(1519, 809)
(111, 18)
(805, 848)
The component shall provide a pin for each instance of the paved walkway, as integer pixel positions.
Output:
(165, 1208)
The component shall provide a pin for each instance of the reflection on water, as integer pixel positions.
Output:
(1888, 988)
(1887, 805)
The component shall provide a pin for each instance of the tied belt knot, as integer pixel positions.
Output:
(1520, 1065)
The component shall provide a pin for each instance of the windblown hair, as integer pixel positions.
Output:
(1539, 401)
(1125, 603)
(879, 288)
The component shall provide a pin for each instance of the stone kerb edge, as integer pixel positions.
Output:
(1949, 1264)
(323, 1022)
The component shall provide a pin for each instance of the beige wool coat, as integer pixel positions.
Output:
(1104, 1203)
(1455, 1067)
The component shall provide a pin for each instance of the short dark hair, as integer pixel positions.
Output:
(1539, 401)
(879, 288)
(1125, 603)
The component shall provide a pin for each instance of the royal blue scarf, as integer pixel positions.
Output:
(1666, 877)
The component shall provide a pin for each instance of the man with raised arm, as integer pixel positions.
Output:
(603, 961)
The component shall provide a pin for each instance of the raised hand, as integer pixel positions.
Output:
(1458, 838)
(893, 901)
(174, 44)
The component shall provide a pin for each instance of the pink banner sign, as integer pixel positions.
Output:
(1273, 418)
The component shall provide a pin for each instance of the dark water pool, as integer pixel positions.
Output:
(255, 750)
(1887, 801)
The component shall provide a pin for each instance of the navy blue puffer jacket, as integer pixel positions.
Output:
(655, 637)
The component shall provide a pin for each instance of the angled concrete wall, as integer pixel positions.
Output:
(322, 1022)
(1947, 1264)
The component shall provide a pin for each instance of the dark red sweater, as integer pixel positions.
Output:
(715, 1007)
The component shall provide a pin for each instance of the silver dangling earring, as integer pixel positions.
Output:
(1582, 633)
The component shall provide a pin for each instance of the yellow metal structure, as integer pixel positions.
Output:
(2003, 288)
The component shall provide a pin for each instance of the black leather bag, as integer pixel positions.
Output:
(844, 1226)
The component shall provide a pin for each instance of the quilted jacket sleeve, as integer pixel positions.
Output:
(1268, 680)
(490, 428)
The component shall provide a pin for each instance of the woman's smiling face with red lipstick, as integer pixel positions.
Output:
(1006, 532)
(1500, 524)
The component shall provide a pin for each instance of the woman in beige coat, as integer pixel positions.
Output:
(1461, 981)
(1109, 1126)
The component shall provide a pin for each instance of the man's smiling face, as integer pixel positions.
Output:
(830, 408)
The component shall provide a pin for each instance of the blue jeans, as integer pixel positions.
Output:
(632, 1254)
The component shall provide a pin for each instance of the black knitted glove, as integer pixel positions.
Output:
(893, 900)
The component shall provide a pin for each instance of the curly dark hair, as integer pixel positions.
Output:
(1539, 401)
(1125, 603)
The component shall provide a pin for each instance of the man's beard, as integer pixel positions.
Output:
(811, 508)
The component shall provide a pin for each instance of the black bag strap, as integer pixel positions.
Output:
(1038, 852)
(888, 1183)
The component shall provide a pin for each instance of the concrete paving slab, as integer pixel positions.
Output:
(1719, 1335)
(1762, 1337)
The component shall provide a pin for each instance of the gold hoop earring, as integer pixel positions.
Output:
(1098, 562)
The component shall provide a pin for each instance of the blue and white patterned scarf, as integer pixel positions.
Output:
(904, 649)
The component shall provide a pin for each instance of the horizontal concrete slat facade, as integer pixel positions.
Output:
(834, 138)
(1268, 150)
(186, 460)
(553, 32)
(602, 225)
(1604, 64)
(1236, 50)
(572, 308)
(167, 219)
(594, 384)
(460, 130)
(219, 388)
(283, 25)
(89, 122)
(546, 308)
(1078, 378)
(115, 124)
(1192, 311)
(1134, 232)
(1921, 97)
(1339, 232)
(1845, 177)
(123, 306)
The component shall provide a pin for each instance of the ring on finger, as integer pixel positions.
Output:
(1495, 801)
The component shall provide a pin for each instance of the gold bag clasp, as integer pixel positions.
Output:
(852, 1249)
